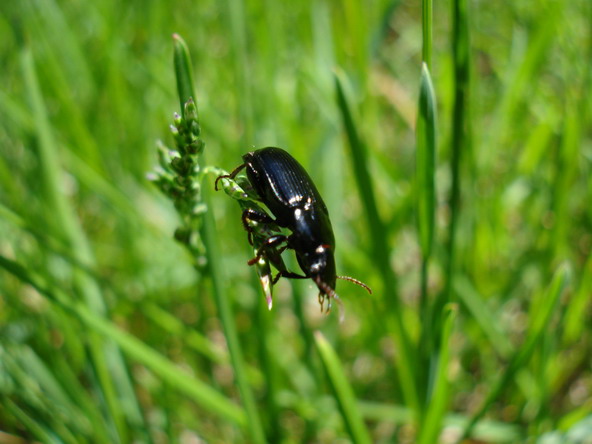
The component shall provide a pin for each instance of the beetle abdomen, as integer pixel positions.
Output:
(281, 180)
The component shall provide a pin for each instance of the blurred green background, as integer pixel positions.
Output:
(108, 333)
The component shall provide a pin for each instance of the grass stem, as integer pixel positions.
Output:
(210, 240)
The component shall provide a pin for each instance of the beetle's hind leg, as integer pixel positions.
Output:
(232, 175)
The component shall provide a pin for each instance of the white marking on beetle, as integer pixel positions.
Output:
(295, 199)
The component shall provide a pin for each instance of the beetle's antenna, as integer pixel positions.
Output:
(355, 281)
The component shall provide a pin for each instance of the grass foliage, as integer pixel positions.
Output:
(452, 144)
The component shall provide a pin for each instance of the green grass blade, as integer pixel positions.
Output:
(175, 327)
(32, 424)
(49, 396)
(482, 313)
(460, 138)
(426, 16)
(236, 14)
(66, 226)
(165, 369)
(67, 73)
(343, 390)
(49, 159)
(538, 327)
(210, 239)
(567, 166)
(432, 421)
(52, 389)
(359, 159)
(521, 73)
(426, 162)
(425, 166)
(224, 311)
(178, 380)
(575, 316)
(485, 430)
(183, 72)
(380, 251)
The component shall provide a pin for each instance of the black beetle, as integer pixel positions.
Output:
(285, 187)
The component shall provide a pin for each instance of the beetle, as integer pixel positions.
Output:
(289, 193)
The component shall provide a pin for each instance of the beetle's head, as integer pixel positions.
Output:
(322, 269)
(319, 264)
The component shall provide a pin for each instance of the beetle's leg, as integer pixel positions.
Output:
(232, 175)
(270, 242)
(287, 274)
(251, 215)
(268, 249)
(274, 256)
(256, 216)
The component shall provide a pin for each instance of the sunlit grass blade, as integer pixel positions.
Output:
(478, 309)
(67, 227)
(173, 326)
(537, 329)
(63, 221)
(426, 162)
(236, 16)
(183, 72)
(270, 372)
(438, 402)
(49, 396)
(521, 71)
(62, 34)
(485, 430)
(425, 192)
(191, 387)
(32, 424)
(579, 414)
(344, 393)
(460, 137)
(380, 249)
(426, 15)
(565, 174)
(255, 427)
(575, 316)
(66, 68)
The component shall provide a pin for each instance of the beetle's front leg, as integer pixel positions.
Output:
(273, 255)
(232, 175)
(251, 215)
(269, 245)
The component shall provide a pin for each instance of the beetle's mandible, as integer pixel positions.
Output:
(285, 187)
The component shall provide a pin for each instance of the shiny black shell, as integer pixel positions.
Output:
(291, 195)
(281, 182)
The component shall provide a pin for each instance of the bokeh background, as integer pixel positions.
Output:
(108, 333)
